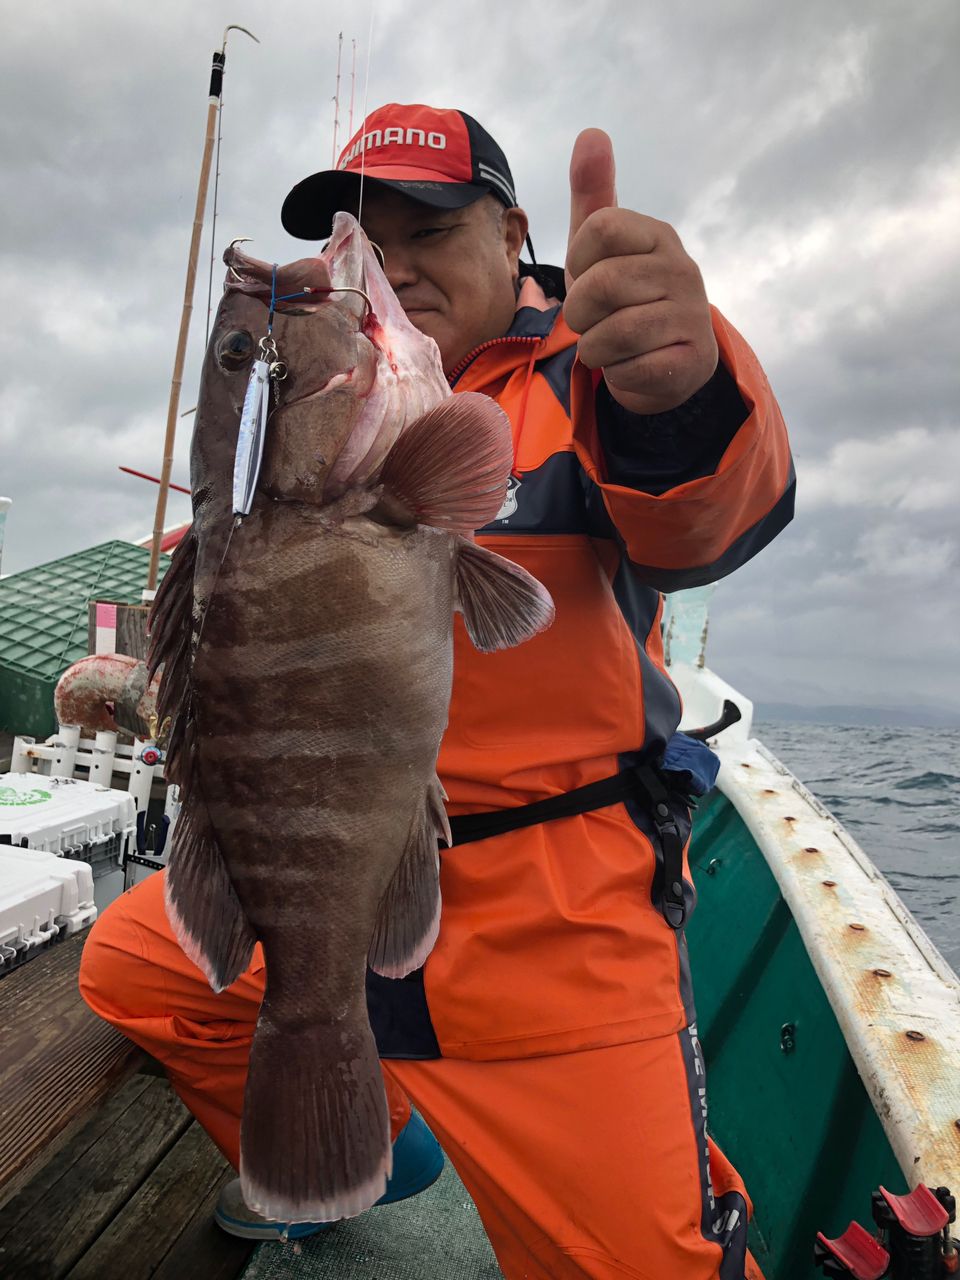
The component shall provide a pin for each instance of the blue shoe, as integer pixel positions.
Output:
(417, 1164)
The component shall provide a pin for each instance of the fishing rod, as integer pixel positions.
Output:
(336, 103)
(216, 89)
(142, 475)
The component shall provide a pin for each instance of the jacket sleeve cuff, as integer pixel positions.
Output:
(697, 530)
(656, 452)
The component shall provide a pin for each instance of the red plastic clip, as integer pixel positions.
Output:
(863, 1256)
(920, 1213)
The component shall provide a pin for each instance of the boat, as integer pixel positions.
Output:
(830, 1023)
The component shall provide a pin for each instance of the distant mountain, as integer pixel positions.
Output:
(896, 717)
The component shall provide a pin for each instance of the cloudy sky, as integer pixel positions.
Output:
(806, 153)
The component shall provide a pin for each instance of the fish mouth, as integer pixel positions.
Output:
(300, 286)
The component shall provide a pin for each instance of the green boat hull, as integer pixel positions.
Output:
(786, 1102)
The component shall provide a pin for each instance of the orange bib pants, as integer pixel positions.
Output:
(581, 1164)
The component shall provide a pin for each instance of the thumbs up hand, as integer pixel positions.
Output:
(633, 295)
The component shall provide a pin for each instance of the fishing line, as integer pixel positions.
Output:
(366, 84)
(273, 301)
(213, 222)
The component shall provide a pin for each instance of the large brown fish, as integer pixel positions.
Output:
(307, 651)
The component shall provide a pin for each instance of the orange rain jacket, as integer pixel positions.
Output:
(550, 938)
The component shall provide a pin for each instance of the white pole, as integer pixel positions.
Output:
(103, 754)
(141, 775)
(20, 759)
(65, 744)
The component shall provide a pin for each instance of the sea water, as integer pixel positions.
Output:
(897, 791)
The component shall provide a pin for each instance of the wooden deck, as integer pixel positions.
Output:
(129, 1196)
(103, 1172)
(104, 1175)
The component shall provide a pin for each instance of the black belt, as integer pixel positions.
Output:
(639, 782)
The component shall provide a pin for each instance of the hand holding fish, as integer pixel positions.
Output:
(633, 294)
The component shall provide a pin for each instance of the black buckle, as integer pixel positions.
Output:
(650, 786)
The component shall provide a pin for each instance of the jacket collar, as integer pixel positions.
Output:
(538, 317)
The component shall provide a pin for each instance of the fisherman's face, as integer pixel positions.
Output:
(453, 270)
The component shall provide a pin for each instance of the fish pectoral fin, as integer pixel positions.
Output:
(409, 917)
(450, 467)
(202, 905)
(502, 604)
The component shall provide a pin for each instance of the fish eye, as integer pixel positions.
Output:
(234, 349)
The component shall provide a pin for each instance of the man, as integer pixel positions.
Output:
(550, 1040)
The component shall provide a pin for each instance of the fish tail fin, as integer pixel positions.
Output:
(450, 467)
(502, 604)
(409, 918)
(315, 1136)
(202, 905)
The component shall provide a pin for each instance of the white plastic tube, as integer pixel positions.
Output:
(102, 758)
(65, 743)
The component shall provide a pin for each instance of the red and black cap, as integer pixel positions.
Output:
(440, 158)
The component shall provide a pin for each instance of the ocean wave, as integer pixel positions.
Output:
(865, 796)
(927, 781)
(923, 877)
(898, 794)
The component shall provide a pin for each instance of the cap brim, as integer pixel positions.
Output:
(309, 209)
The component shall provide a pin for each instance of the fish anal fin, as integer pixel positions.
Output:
(409, 917)
(202, 905)
(450, 467)
(502, 604)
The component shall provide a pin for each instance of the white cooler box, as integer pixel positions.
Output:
(68, 817)
(42, 898)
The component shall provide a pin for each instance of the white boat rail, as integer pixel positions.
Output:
(896, 999)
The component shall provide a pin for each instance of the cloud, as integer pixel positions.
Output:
(806, 153)
(912, 470)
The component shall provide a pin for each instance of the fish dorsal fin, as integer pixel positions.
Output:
(450, 467)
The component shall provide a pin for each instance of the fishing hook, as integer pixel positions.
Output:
(344, 288)
(238, 240)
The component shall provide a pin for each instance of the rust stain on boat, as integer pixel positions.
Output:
(927, 1077)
